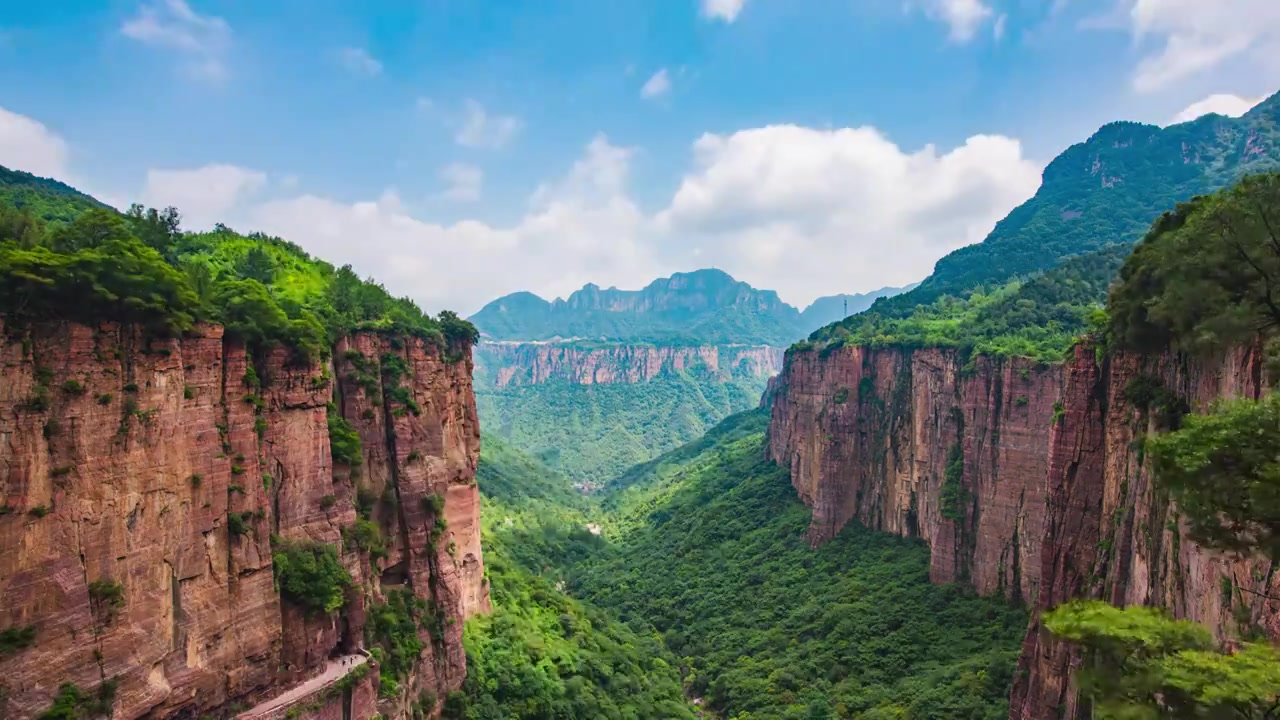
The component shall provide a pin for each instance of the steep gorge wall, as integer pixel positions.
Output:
(1048, 497)
(1112, 534)
(509, 363)
(869, 434)
(123, 460)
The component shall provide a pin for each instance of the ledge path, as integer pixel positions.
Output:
(334, 671)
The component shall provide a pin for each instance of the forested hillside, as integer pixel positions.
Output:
(65, 256)
(594, 433)
(542, 653)
(1105, 191)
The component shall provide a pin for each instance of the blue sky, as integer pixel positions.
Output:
(460, 149)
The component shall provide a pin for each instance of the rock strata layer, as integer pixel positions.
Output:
(142, 483)
(1026, 480)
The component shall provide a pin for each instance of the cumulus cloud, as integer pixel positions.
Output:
(726, 10)
(204, 195)
(480, 129)
(579, 228)
(201, 39)
(26, 144)
(658, 84)
(962, 17)
(463, 182)
(1222, 104)
(1192, 36)
(359, 62)
(812, 212)
(803, 211)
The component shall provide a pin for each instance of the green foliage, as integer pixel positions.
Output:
(13, 639)
(238, 523)
(72, 386)
(106, 597)
(89, 263)
(1206, 275)
(310, 575)
(39, 511)
(394, 626)
(344, 441)
(954, 497)
(1140, 663)
(1223, 471)
(328, 501)
(1038, 319)
(593, 433)
(367, 536)
(1103, 192)
(542, 653)
(852, 627)
(72, 703)
(93, 269)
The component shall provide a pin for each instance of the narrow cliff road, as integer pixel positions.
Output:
(333, 672)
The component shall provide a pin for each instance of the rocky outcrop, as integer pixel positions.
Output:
(509, 363)
(160, 471)
(916, 443)
(1112, 534)
(1026, 480)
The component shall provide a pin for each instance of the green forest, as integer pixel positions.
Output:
(594, 433)
(1102, 192)
(64, 256)
(852, 629)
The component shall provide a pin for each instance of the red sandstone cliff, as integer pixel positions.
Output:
(122, 460)
(1111, 534)
(1048, 496)
(868, 434)
(511, 363)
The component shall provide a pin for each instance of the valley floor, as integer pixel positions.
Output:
(701, 586)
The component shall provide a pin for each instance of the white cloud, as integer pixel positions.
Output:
(726, 10)
(359, 62)
(205, 195)
(1222, 104)
(658, 84)
(1193, 36)
(997, 29)
(806, 212)
(464, 182)
(963, 17)
(812, 212)
(172, 24)
(26, 144)
(479, 129)
(581, 228)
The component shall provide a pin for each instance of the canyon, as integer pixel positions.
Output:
(506, 364)
(1026, 480)
(145, 482)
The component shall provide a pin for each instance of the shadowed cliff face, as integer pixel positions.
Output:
(1025, 480)
(128, 471)
(507, 364)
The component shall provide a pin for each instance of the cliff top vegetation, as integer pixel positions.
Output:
(65, 256)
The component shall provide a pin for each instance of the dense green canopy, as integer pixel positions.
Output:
(63, 255)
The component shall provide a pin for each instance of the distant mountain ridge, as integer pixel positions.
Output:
(703, 307)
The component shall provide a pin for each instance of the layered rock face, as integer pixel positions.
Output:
(161, 470)
(1025, 480)
(509, 363)
(913, 443)
(1112, 534)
